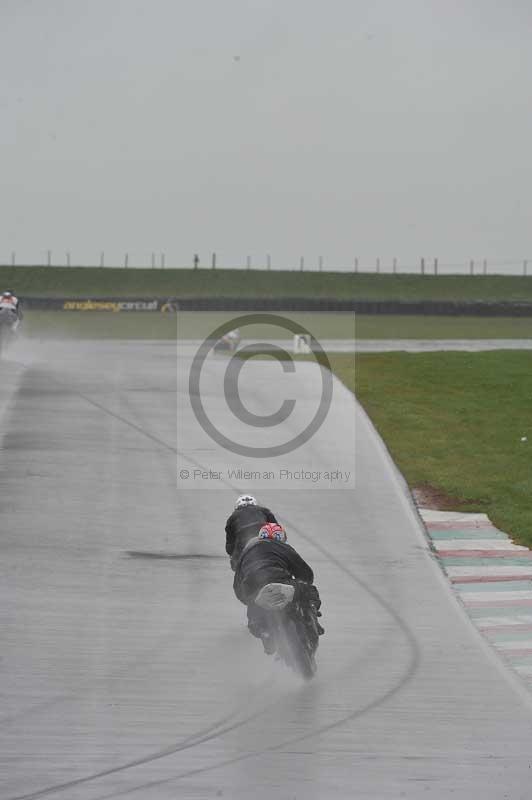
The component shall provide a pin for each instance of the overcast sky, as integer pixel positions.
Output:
(291, 127)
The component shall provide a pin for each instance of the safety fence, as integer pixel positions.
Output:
(422, 266)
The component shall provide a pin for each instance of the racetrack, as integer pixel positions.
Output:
(126, 668)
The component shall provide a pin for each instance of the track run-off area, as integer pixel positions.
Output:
(126, 669)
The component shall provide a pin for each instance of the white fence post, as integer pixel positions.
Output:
(425, 265)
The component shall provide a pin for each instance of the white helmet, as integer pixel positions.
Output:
(245, 500)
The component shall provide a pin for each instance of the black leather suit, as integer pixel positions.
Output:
(244, 524)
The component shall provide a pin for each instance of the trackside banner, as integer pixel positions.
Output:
(272, 304)
(111, 305)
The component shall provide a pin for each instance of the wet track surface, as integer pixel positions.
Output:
(126, 668)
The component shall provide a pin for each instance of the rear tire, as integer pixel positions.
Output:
(301, 656)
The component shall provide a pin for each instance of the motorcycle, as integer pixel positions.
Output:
(228, 343)
(8, 324)
(293, 626)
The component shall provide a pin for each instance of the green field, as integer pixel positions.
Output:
(455, 421)
(149, 325)
(93, 281)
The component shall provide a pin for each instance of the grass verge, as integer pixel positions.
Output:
(455, 421)
(108, 281)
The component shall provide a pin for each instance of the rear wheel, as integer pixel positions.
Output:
(300, 653)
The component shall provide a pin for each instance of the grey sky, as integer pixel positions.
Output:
(295, 127)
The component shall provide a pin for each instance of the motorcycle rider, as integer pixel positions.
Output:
(10, 302)
(229, 341)
(244, 524)
(269, 575)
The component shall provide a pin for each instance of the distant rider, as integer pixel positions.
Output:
(232, 339)
(244, 524)
(270, 574)
(229, 341)
(10, 302)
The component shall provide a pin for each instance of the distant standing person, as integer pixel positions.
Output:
(196, 260)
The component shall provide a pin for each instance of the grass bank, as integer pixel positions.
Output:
(148, 325)
(94, 281)
(455, 422)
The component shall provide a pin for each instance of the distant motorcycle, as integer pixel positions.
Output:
(8, 326)
(228, 343)
(294, 629)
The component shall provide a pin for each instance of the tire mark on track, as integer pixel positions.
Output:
(411, 669)
(69, 695)
(191, 741)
